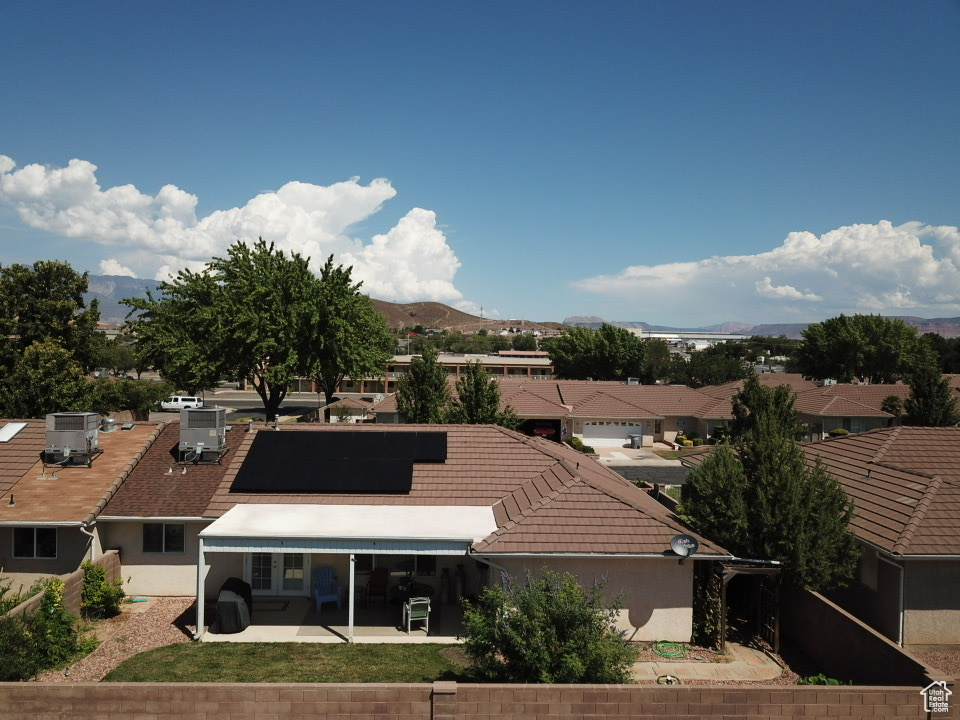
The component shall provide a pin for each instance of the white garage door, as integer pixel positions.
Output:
(612, 433)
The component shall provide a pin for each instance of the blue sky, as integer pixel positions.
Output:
(681, 163)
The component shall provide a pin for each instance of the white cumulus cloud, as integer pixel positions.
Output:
(161, 234)
(111, 266)
(877, 268)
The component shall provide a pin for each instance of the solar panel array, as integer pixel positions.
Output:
(337, 462)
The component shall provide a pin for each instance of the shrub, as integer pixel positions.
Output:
(687, 443)
(838, 432)
(588, 450)
(100, 598)
(546, 629)
(697, 442)
(576, 443)
(44, 639)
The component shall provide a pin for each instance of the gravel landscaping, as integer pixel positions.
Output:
(138, 628)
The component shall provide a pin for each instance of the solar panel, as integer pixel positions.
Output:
(336, 462)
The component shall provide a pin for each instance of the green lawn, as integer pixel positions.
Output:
(675, 454)
(294, 662)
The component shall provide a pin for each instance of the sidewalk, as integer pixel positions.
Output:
(747, 664)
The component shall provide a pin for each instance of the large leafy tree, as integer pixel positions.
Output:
(705, 368)
(45, 302)
(347, 336)
(250, 314)
(423, 395)
(932, 402)
(546, 629)
(871, 348)
(477, 400)
(45, 379)
(760, 498)
(610, 353)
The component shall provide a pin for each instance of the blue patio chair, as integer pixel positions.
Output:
(417, 610)
(325, 587)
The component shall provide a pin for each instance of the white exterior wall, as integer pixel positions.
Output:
(657, 595)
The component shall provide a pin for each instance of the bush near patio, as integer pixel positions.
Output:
(546, 629)
(41, 640)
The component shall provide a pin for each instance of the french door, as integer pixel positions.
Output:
(278, 573)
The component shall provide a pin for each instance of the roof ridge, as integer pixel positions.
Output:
(887, 444)
(542, 501)
(916, 518)
(124, 474)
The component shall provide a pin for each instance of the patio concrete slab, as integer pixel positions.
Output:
(747, 664)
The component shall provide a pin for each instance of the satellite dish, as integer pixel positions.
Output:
(684, 546)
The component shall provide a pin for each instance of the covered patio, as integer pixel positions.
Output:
(296, 619)
(283, 608)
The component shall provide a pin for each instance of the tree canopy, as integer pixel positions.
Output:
(870, 348)
(477, 400)
(610, 353)
(759, 498)
(262, 314)
(45, 302)
(932, 402)
(347, 336)
(423, 394)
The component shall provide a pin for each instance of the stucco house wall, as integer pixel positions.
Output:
(931, 612)
(657, 594)
(73, 547)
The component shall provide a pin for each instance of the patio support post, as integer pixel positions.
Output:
(200, 566)
(353, 564)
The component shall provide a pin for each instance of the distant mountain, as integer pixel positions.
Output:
(945, 327)
(111, 289)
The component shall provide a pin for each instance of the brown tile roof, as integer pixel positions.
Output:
(152, 491)
(795, 381)
(20, 453)
(547, 498)
(78, 494)
(904, 482)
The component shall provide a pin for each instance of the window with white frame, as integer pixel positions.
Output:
(163, 537)
(35, 542)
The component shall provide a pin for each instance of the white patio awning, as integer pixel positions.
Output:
(377, 529)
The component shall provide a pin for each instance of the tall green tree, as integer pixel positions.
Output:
(347, 336)
(704, 368)
(249, 314)
(870, 348)
(45, 302)
(760, 498)
(45, 379)
(423, 395)
(610, 353)
(932, 402)
(477, 400)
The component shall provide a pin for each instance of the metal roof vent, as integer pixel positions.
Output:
(203, 434)
(108, 425)
(72, 438)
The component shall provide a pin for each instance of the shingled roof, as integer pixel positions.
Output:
(546, 497)
(70, 495)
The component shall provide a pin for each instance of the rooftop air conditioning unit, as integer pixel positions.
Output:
(72, 438)
(827, 382)
(203, 434)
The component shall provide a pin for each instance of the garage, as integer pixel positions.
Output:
(610, 433)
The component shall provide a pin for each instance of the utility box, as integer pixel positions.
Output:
(73, 438)
(203, 434)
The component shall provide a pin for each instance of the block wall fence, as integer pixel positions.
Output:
(449, 701)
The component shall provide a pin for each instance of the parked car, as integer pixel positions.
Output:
(179, 402)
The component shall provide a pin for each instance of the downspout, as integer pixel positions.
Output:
(93, 544)
(353, 570)
(899, 567)
(492, 565)
(200, 565)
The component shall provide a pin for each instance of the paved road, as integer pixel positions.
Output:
(247, 404)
